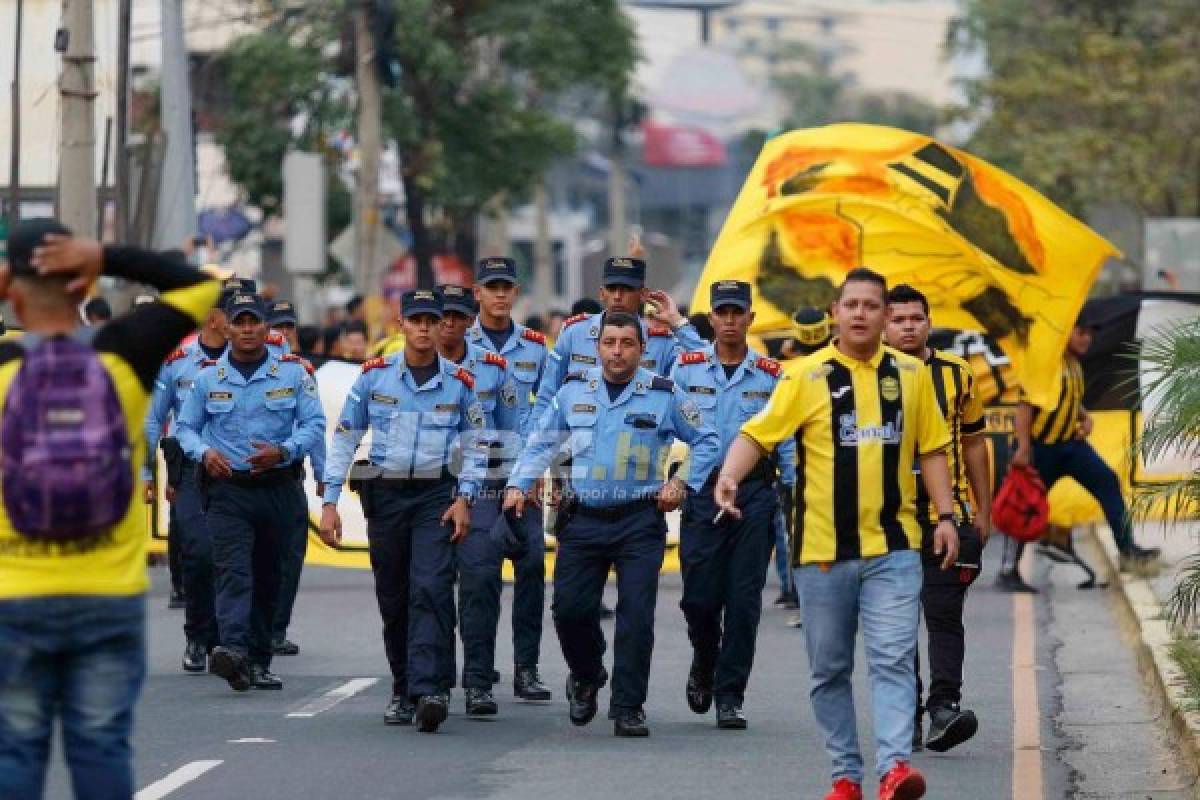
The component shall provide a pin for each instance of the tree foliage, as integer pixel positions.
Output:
(1091, 101)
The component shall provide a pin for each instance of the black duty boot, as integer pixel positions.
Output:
(581, 700)
(285, 647)
(630, 723)
(527, 685)
(730, 717)
(432, 710)
(195, 657)
(480, 702)
(231, 666)
(263, 678)
(699, 688)
(950, 726)
(399, 711)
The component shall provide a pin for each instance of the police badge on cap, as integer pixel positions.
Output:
(730, 293)
(625, 271)
(457, 298)
(496, 268)
(421, 301)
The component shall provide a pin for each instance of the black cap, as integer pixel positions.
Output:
(625, 271)
(243, 303)
(729, 293)
(235, 285)
(457, 298)
(421, 301)
(496, 268)
(282, 313)
(27, 235)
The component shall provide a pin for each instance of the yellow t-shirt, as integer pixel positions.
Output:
(859, 426)
(131, 348)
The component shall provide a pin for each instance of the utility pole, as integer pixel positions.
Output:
(77, 148)
(176, 218)
(14, 170)
(121, 209)
(543, 249)
(367, 273)
(618, 238)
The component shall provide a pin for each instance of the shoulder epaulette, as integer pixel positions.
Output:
(573, 376)
(178, 353)
(659, 330)
(465, 376)
(569, 321)
(534, 336)
(495, 358)
(769, 366)
(694, 357)
(374, 363)
(304, 362)
(276, 339)
(662, 384)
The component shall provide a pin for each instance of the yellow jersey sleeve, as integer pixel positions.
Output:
(931, 430)
(972, 407)
(788, 409)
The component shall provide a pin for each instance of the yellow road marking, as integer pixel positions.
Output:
(1027, 732)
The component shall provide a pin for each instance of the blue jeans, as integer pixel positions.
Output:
(884, 595)
(82, 660)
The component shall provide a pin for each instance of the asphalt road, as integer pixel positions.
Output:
(197, 739)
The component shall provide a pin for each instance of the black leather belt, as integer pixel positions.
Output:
(274, 477)
(614, 513)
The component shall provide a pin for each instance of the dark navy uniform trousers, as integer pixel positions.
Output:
(196, 560)
(588, 547)
(724, 570)
(414, 562)
(248, 525)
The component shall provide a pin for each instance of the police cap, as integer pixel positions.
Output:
(457, 298)
(625, 271)
(421, 301)
(282, 313)
(244, 303)
(729, 293)
(496, 268)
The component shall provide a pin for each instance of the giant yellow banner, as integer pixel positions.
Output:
(991, 253)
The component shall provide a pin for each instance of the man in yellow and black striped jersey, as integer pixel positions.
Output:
(945, 591)
(1054, 441)
(864, 415)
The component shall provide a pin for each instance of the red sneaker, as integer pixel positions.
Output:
(844, 789)
(902, 783)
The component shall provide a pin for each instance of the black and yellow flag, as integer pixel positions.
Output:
(991, 254)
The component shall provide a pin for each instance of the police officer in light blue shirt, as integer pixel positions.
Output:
(417, 406)
(525, 352)
(725, 563)
(624, 290)
(250, 419)
(619, 421)
(187, 525)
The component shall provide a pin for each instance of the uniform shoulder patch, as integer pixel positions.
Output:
(275, 339)
(658, 330)
(465, 377)
(374, 363)
(295, 359)
(662, 384)
(694, 357)
(177, 354)
(769, 366)
(496, 359)
(569, 321)
(535, 336)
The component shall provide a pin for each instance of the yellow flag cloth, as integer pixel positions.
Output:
(989, 252)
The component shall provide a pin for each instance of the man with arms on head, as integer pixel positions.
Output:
(619, 421)
(524, 350)
(251, 418)
(725, 564)
(945, 591)
(1054, 442)
(416, 405)
(73, 571)
(863, 413)
(174, 383)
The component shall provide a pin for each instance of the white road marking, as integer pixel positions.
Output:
(184, 775)
(334, 696)
(251, 740)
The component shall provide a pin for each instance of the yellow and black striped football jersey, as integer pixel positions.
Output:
(859, 426)
(962, 408)
(1058, 424)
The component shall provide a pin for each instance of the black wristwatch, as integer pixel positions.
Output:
(947, 517)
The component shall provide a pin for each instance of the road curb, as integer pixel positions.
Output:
(1147, 623)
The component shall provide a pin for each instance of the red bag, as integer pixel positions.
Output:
(1020, 508)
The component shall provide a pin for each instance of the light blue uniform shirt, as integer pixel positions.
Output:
(525, 351)
(618, 448)
(727, 403)
(278, 405)
(576, 350)
(494, 387)
(414, 429)
(172, 386)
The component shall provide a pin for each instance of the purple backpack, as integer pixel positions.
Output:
(65, 457)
